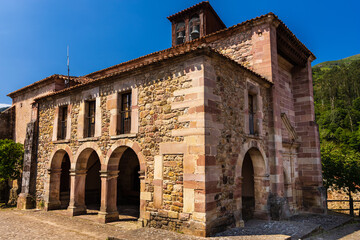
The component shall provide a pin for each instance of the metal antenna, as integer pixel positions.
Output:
(67, 82)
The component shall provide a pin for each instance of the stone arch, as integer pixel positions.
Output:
(83, 154)
(55, 172)
(117, 149)
(260, 177)
(110, 175)
(78, 173)
(57, 154)
(258, 158)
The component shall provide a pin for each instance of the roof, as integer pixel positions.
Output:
(204, 39)
(156, 56)
(72, 78)
(204, 4)
(165, 58)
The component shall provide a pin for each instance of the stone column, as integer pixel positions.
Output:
(108, 210)
(143, 219)
(52, 200)
(77, 192)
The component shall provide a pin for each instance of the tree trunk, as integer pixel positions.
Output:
(351, 203)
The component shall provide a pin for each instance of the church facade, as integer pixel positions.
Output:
(207, 134)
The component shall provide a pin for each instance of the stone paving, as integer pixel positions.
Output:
(35, 224)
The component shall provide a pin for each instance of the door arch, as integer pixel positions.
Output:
(254, 184)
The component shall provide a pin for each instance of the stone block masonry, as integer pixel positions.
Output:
(201, 136)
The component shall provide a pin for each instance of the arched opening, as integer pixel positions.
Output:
(93, 182)
(254, 182)
(194, 27)
(248, 190)
(180, 32)
(59, 181)
(65, 182)
(128, 185)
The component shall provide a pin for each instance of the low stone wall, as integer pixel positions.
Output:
(333, 194)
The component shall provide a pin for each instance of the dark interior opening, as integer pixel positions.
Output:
(128, 186)
(93, 183)
(248, 196)
(65, 182)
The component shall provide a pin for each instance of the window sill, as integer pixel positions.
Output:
(61, 141)
(89, 139)
(121, 136)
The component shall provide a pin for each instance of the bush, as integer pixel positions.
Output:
(11, 160)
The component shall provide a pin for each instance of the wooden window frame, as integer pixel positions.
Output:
(252, 113)
(124, 116)
(90, 118)
(62, 122)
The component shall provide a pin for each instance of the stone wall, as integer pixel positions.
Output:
(162, 104)
(7, 123)
(229, 141)
(333, 194)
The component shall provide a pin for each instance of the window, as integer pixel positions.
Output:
(251, 115)
(62, 123)
(90, 119)
(194, 27)
(125, 114)
(180, 33)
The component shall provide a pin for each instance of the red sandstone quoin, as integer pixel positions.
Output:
(199, 137)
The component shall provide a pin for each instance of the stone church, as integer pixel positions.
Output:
(199, 137)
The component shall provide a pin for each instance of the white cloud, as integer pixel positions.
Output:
(4, 105)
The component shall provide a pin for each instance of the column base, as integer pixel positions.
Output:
(76, 211)
(52, 205)
(105, 217)
(25, 201)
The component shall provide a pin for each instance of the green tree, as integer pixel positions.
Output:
(11, 159)
(341, 169)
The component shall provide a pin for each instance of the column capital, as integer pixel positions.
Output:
(141, 174)
(54, 170)
(109, 174)
(262, 177)
(74, 172)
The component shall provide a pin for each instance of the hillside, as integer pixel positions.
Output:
(330, 64)
(337, 102)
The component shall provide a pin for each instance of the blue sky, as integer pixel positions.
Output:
(34, 34)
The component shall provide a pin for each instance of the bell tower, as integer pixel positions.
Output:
(194, 22)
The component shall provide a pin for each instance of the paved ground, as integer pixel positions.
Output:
(347, 232)
(33, 224)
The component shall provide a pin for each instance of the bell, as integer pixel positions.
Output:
(180, 37)
(195, 33)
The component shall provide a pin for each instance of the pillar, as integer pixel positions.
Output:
(77, 192)
(52, 201)
(108, 210)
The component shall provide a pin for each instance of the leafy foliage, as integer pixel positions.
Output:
(341, 167)
(11, 159)
(337, 110)
(337, 104)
